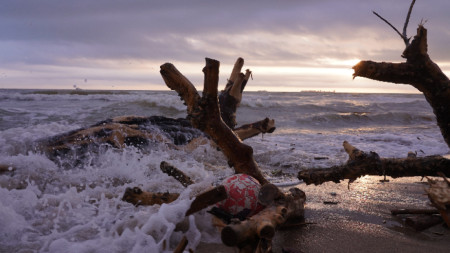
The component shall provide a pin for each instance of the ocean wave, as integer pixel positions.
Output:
(352, 119)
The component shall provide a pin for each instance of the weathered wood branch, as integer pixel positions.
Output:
(420, 72)
(260, 127)
(185, 89)
(405, 26)
(262, 226)
(204, 114)
(230, 97)
(207, 198)
(138, 197)
(175, 173)
(361, 164)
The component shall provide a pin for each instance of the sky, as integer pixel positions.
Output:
(289, 45)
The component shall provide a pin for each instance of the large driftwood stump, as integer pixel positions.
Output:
(204, 114)
(256, 233)
(420, 72)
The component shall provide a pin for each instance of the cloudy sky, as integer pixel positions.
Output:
(289, 45)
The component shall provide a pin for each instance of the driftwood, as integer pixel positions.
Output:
(231, 96)
(426, 76)
(204, 114)
(254, 234)
(439, 195)
(419, 71)
(260, 228)
(209, 197)
(361, 163)
(260, 127)
(138, 197)
(175, 173)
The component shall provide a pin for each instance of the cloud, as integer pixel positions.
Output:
(96, 35)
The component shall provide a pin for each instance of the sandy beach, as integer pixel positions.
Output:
(360, 221)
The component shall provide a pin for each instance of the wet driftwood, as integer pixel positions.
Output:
(138, 197)
(254, 234)
(361, 163)
(260, 229)
(204, 114)
(175, 173)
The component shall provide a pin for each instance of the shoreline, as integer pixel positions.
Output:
(360, 221)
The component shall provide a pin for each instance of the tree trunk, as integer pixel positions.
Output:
(420, 72)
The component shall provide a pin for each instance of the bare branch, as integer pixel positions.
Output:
(406, 23)
(387, 22)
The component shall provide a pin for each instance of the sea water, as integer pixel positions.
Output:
(47, 208)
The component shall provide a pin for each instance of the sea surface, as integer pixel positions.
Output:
(48, 208)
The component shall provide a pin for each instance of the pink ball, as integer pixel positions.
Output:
(242, 193)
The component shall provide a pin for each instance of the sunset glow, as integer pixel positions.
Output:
(289, 45)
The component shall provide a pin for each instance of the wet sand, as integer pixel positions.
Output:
(360, 221)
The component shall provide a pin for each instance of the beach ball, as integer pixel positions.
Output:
(242, 193)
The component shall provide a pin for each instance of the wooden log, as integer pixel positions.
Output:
(175, 173)
(207, 198)
(361, 163)
(138, 197)
(204, 114)
(260, 127)
(261, 225)
(285, 208)
(420, 72)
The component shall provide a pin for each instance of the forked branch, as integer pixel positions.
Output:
(405, 26)
(204, 114)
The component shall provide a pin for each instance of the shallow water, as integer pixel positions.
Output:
(47, 208)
